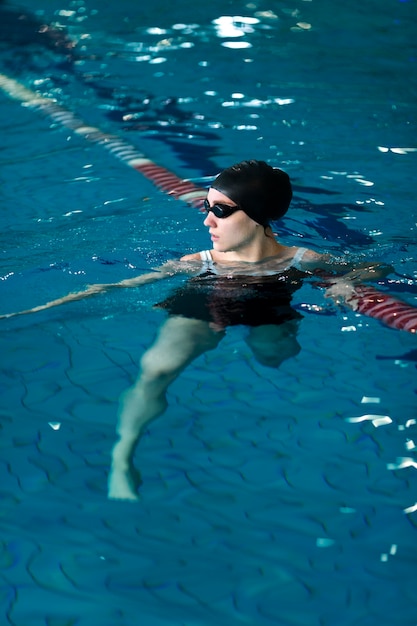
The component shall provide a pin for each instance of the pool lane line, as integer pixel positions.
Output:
(163, 179)
(369, 301)
(384, 307)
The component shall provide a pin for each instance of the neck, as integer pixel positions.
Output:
(253, 252)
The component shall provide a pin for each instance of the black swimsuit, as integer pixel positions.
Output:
(234, 300)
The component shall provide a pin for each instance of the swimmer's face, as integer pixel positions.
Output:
(232, 232)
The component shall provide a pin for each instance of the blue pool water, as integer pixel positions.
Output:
(269, 497)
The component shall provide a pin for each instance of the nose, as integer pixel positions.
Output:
(210, 219)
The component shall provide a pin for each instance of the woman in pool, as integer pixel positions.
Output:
(247, 278)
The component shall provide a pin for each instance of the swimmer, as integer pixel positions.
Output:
(247, 278)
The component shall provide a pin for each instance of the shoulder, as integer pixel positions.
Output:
(196, 256)
(304, 256)
(312, 257)
(309, 260)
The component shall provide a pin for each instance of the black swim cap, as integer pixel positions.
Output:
(262, 192)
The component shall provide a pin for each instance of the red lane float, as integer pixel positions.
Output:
(389, 310)
(162, 178)
(366, 300)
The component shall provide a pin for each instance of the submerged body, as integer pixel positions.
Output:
(247, 278)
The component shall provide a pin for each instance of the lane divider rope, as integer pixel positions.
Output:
(370, 302)
(162, 178)
(384, 307)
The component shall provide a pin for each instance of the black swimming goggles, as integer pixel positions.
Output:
(221, 210)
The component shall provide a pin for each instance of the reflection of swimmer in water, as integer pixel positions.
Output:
(247, 278)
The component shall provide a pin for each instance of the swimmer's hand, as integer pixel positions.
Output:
(342, 291)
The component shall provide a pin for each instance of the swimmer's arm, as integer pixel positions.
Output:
(165, 271)
(328, 265)
(342, 277)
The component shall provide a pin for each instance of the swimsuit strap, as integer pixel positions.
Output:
(208, 263)
(205, 255)
(295, 262)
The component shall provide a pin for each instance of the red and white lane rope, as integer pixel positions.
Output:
(161, 177)
(386, 308)
(369, 301)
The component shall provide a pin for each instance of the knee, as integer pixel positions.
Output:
(273, 345)
(274, 356)
(179, 342)
(153, 367)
